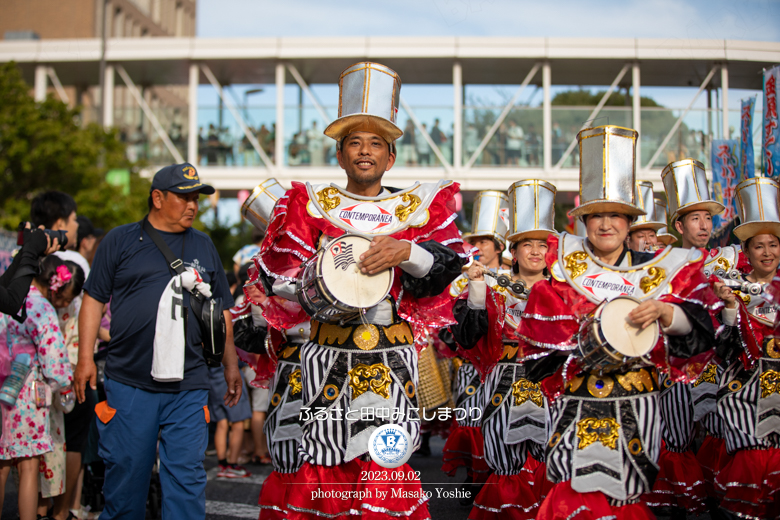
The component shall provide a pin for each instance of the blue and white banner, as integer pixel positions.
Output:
(770, 139)
(747, 162)
(725, 165)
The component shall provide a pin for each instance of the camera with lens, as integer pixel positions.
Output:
(60, 234)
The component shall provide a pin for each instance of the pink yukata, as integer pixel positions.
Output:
(25, 426)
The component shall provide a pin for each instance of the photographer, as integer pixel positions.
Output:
(15, 281)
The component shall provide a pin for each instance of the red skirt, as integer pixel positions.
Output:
(712, 457)
(273, 496)
(563, 503)
(465, 447)
(542, 486)
(324, 491)
(505, 496)
(750, 483)
(680, 482)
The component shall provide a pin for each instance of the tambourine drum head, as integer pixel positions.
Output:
(621, 334)
(342, 278)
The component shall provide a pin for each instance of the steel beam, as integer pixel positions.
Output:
(457, 116)
(40, 83)
(148, 113)
(279, 134)
(546, 117)
(594, 113)
(502, 116)
(426, 136)
(316, 102)
(636, 107)
(55, 80)
(192, 123)
(240, 120)
(680, 119)
(724, 87)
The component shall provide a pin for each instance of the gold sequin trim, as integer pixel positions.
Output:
(399, 331)
(375, 378)
(329, 333)
(770, 383)
(605, 431)
(708, 376)
(523, 390)
(656, 276)
(325, 200)
(574, 265)
(403, 212)
(600, 386)
(366, 336)
(772, 350)
(294, 382)
(639, 380)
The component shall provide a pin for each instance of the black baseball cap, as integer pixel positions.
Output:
(180, 178)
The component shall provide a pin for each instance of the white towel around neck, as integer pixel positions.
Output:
(169, 335)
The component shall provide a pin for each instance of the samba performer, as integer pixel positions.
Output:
(513, 421)
(596, 333)
(663, 236)
(685, 479)
(642, 235)
(376, 262)
(749, 392)
(274, 356)
(465, 444)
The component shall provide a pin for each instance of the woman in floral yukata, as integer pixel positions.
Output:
(26, 433)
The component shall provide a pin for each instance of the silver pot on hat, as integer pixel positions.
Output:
(257, 208)
(607, 171)
(646, 200)
(685, 183)
(490, 217)
(757, 204)
(663, 234)
(368, 102)
(532, 206)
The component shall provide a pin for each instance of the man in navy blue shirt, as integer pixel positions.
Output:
(131, 272)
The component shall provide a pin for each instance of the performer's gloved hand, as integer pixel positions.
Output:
(384, 253)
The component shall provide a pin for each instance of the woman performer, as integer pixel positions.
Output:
(604, 415)
(513, 420)
(749, 390)
(465, 445)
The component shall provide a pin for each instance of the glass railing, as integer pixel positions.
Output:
(517, 143)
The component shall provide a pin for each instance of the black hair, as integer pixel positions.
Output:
(257, 235)
(747, 242)
(49, 207)
(48, 268)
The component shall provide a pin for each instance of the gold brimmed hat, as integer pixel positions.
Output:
(368, 102)
(532, 206)
(685, 183)
(607, 171)
(490, 217)
(663, 234)
(645, 199)
(757, 203)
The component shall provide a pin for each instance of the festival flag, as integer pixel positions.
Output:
(725, 165)
(747, 163)
(770, 139)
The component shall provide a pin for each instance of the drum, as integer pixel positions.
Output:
(332, 289)
(609, 340)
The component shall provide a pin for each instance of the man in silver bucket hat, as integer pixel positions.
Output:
(359, 369)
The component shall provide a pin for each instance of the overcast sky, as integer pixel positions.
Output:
(678, 19)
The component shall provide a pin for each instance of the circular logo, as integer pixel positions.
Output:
(390, 446)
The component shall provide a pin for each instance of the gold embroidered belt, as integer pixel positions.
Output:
(600, 386)
(364, 336)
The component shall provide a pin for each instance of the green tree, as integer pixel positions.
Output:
(44, 146)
